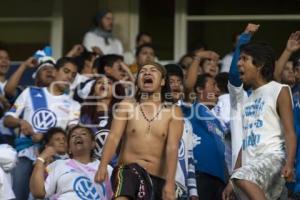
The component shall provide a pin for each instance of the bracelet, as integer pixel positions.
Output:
(41, 159)
(197, 58)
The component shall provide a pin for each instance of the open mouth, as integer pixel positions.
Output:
(78, 141)
(148, 81)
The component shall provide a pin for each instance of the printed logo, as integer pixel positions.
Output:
(43, 119)
(100, 141)
(103, 121)
(86, 190)
(181, 150)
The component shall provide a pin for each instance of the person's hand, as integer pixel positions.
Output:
(207, 55)
(48, 153)
(287, 172)
(97, 50)
(227, 192)
(251, 28)
(25, 127)
(31, 62)
(169, 192)
(76, 50)
(37, 137)
(194, 198)
(4, 102)
(128, 76)
(101, 174)
(293, 43)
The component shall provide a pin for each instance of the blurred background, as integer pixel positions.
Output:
(175, 25)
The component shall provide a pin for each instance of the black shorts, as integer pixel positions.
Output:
(157, 185)
(131, 181)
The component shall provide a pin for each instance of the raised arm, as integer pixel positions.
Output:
(174, 136)
(192, 72)
(37, 180)
(234, 74)
(284, 104)
(76, 50)
(292, 45)
(116, 131)
(14, 80)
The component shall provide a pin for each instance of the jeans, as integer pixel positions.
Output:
(21, 177)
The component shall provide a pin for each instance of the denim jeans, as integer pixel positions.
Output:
(21, 177)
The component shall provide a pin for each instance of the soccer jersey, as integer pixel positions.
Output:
(262, 131)
(209, 149)
(42, 110)
(70, 179)
(100, 128)
(185, 173)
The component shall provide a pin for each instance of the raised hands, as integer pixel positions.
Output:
(31, 62)
(251, 28)
(293, 43)
(76, 50)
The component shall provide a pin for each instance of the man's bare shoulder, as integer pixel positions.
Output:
(176, 112)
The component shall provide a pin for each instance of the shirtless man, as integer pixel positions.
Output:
(150, 130)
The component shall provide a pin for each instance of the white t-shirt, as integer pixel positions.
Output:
(261, 125)
(70, 179)
(93, 40)
(222, 111)
(43, 110)
(185, 163)
(6, 191)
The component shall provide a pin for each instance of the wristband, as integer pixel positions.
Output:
(197, 58)
(41, 159)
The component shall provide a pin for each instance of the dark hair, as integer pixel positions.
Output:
(296, 62)
(164, 90)
(84, 56)
(180, 62)
(89, 109)
(140, 35)
(140, 48)
(64, 60)
(263, 56)
(222, 82)
(201, 81)
(106, 60)
(90, 131)
(196, 46)
(49, 135)
(100, 14)
(174, 70)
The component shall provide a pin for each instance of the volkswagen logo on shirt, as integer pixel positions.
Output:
(43, 119)
(181, 151)
(86, 190)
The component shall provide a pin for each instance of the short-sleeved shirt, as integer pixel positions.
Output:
(43, 110)
(70, 179)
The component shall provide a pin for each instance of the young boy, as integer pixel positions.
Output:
(267, 124)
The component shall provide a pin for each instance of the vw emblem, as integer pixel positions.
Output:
(86, 190)
(181, 151)
(43, 119)
(101, 137)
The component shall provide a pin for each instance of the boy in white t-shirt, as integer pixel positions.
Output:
(267, 123)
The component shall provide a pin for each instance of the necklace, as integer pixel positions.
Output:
(151, 119)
